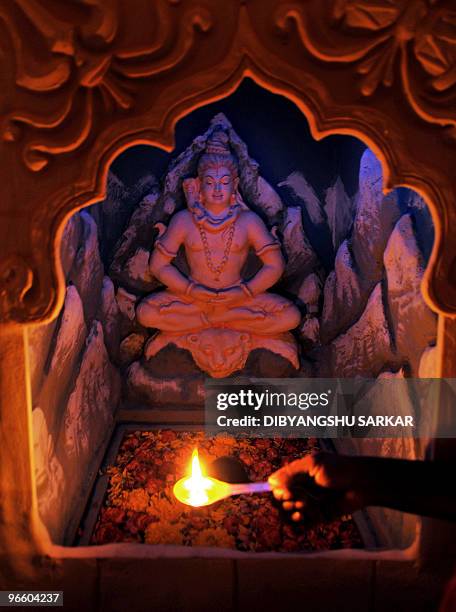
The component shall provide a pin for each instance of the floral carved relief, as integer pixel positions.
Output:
(85, 67)
(413, 42)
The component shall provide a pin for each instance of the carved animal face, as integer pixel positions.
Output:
(219, 352)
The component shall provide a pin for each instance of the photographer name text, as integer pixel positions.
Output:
(315, 421)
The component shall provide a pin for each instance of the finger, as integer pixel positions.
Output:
(313, 465)
(281, 494)
(283, 475)
(299, 465)
(288, 505)
(277, 492)
(276, 479)
(310, 464)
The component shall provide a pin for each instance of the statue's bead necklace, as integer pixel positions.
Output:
(217, 270)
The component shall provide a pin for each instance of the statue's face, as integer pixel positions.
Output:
(217, 186)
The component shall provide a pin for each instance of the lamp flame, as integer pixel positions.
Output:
(198, 489)
(197, 485)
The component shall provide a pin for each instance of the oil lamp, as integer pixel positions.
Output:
(199, 490)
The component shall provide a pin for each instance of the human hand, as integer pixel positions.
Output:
(319, 486)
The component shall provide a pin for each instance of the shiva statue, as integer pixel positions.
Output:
(214, 312)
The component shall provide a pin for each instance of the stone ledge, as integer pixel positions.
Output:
(139, 577)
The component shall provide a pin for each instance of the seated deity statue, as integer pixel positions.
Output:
(217, 230)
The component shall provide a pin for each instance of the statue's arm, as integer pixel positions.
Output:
(268, 250)
(165, 250)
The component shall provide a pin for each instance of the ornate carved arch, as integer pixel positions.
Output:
(94, 77)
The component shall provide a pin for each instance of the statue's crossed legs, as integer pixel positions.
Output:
(264, 314)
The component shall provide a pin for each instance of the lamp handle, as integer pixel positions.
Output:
(249, 487)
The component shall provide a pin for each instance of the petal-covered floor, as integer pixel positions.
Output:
(140, 506)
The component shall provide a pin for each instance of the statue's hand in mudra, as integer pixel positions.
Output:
(202, 293)
(231, 296)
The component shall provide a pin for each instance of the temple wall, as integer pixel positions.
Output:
(374, 321)
(75, 378)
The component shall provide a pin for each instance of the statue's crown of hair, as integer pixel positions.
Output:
(218, 153)
(218, 143)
